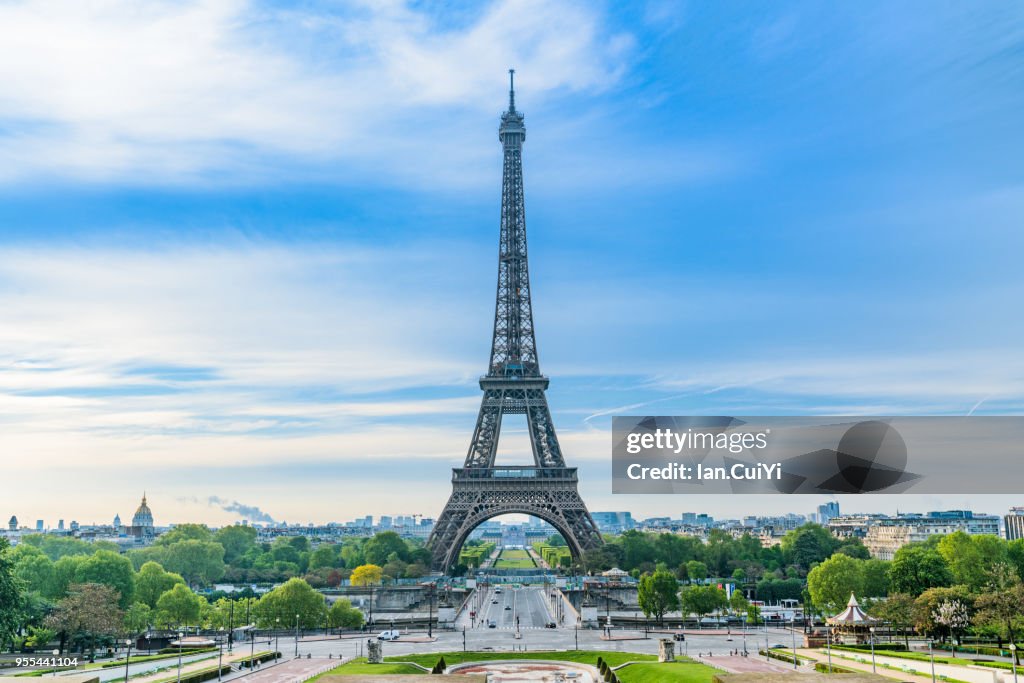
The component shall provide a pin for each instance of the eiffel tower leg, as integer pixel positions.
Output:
(484, 445)
(546, 450)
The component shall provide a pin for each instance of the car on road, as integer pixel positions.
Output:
(494, 601)
(492, 624)
(551, 624)
(508, 607)
(388, 635)
(498, 591)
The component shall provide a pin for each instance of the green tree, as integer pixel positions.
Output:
(88, 612)
(110, 569)
(658, 593)
(343, 615)
(185, 532)
(237, 541)
(179, 606)
(696, 570)
(1015, 556)
(927, 604)
(295, 598)
(10, 595)
(64, 571)
(738, 602)
(324, 557)
(876, 578)
(898, 611)
(701, 600)
(831, 582)
(138, 617)
(32, 567)
(970, 558)
(808, 545)
(916, 567)
(153, 581)
(57, 547)
(1001, 607)
(379, 549)
(200, 563)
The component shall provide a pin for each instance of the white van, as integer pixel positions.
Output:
(388, 635)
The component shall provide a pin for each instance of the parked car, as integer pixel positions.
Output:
(388, 635)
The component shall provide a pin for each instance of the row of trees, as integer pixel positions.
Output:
(92, 613)
(202, 557)
(945, 587)
(722, 555)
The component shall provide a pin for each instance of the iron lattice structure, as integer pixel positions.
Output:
(513, 385)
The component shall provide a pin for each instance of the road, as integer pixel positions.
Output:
(523, 607)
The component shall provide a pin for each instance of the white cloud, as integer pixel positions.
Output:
(145, 91)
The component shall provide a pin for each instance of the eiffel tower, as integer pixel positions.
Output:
(513, 385)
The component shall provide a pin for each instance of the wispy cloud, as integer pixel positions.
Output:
(170, 92)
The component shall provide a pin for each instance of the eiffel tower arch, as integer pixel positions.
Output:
(513, 385)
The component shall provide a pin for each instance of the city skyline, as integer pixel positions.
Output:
(271, 282)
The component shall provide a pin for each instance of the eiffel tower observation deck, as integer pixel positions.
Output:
(513, 385)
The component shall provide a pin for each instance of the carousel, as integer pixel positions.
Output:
(852, 626)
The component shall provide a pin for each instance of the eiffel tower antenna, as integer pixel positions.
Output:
(511, 89)
(513, 385)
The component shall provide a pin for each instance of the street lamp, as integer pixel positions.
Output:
(296, 636)
(792, 632)
(252, 645)
(829, 634)
(220, 657)
(56, 654)
(231, 625)
(277, 635)
(128, 642)
(931, 656)
(1013, 660)
(874, 670)
(180, 636)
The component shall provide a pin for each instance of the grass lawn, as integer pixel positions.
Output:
(360, 666)
(581, 656)
(916, 656)
(514, 559)
(688, 672)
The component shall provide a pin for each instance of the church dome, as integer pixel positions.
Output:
(143, 516)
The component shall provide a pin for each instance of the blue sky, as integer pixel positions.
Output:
(248, 250)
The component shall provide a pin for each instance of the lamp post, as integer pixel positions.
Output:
(56, 654)
(828, 642)
(931, 656)
(220, 657)
(792, 632)
(430, 614)
(252, 645)
(1013, 660)
(874, 670)
(128, 658)
(277, 635)
(296, 636)
(180, 636)
(231, 625)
